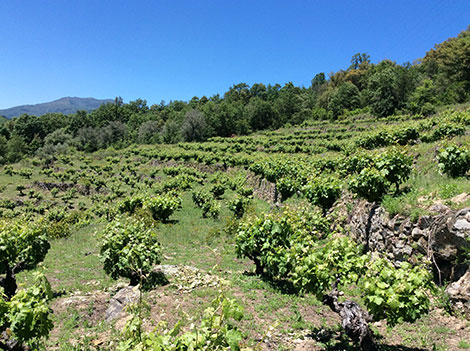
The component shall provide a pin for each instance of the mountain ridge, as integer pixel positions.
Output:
(65, 105)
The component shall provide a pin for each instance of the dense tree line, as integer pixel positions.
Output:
(442, 77)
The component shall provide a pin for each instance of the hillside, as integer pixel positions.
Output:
(64, 105)
(303, 189)
(329, 217)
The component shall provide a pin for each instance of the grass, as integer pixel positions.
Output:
(74, 268)
(464, 344)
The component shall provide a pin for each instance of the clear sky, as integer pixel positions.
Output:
(169, 50)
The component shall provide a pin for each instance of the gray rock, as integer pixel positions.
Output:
(118, 302)
(461, 224)
(417, 233)
(459, 292)
(439, 208)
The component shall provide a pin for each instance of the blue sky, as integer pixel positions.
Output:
(169, 50)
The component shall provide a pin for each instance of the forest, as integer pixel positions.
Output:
(441, 78)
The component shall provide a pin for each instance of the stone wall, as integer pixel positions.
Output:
(443, 239)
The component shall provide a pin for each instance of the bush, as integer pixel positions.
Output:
(129, 249)
(211, 209)
(28, 313)
(130, 204)
(397, 294)
(162, 207)
(201, 197)
(218, 189)
(216, 332)
(322, 191)
(370, 184)
(287, 186)
(267, 239)
(316, 269)
(454, 161)
(239, 205)
(395, 165)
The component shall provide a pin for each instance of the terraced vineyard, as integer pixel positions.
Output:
(234, 243)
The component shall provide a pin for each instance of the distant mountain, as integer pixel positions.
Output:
(65, 105)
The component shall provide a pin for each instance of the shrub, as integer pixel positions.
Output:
(287, 186)
(216, 332)
(239, 205)
(454, 161)
(370, 184)
(129, 249)
(317, 268)
(201, 197)
(162, 207)
(130, 204)
(218, 189)
(322, 191)
(25, 313)
(395, 165)
(267, 239)
(211, 209)
(396, 294)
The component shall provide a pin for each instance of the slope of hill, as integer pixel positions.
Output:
(64, 105)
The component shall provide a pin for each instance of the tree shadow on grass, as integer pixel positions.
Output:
(333, 339)
(281, 285)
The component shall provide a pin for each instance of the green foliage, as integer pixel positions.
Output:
(29, 313)
(216, 332)
(444, 130)
(218, 189)
(317, 267)
(395, 165)
(267, 239)
(454, 161)
(322, 191)
(130, 204)
(370, 184)
(162, 206)
(211, 209)
(205, 200)
(287, 186)
(396, 294)
(239, 205)
(22, 243)
(200, 197)
(129, 249)
(346, 97)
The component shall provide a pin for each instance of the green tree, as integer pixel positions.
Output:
(149, 132)
(384, 92)
(448, 63)
(16, 148)
(346, 97)
(171, 132)
(195, 127)
(423, 99)
(260, 114)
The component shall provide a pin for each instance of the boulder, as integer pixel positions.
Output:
(118, 302)
(459, 293)
(450, 240)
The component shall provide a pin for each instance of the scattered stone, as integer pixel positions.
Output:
(188, 278)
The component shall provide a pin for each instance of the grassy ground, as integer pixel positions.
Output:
(274, 318)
